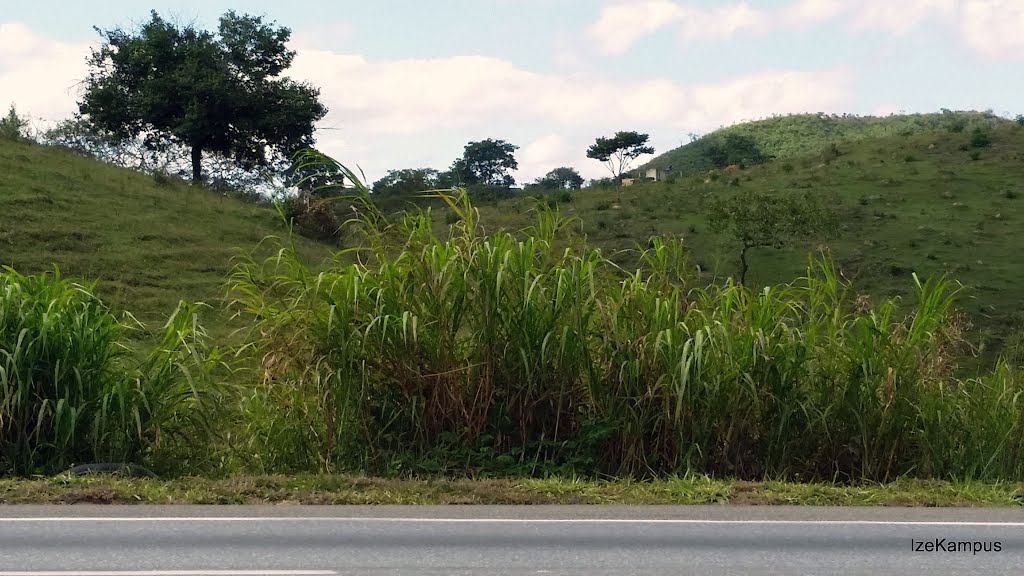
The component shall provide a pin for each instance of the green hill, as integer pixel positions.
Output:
(914, 194)
(148, 241)
(925, 201)
(797, 135)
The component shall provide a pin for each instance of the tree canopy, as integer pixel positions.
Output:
(407, 182)
(486, 163)
(180, 86)
(560, 178)
(734, 149)
(757, 219)
(619, 151)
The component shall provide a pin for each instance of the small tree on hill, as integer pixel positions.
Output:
(485, 163)
(13, 126)
(619, 151)
(757, 220)
(179, 86)
(564, 178)
(407, 182)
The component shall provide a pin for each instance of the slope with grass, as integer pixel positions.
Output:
(930, 202)
(149, 242)
(796, 135)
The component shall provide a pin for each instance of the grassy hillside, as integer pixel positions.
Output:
(149, 242)
(797, 135)
(499, 355)
(911, 202)
(910, 197)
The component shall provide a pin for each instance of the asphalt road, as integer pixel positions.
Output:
(406, 541)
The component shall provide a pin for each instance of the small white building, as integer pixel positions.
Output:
(656, 174)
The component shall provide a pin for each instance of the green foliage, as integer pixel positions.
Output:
(766, 351)
(756, 219)
(730, 149)
(619, 151)
(560, 178)
(800, 135)
(13, 126)
(980, 138)
(527, 353)
(82, 137)
(486, 163)
(313, 217)
(603, 183)
(149, 246)
(407, 183)
(71, 391)
(185, 87)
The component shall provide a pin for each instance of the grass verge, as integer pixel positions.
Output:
(340, 489)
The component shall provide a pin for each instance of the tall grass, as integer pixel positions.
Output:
(72, 391)
(528, 353)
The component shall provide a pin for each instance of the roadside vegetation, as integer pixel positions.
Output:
(336, 489)
(779, 318)
(530, 354)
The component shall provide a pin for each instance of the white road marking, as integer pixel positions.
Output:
(175, 573)
(232, 519)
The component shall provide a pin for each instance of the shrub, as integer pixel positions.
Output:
(980, 139)
(72, 391)
(161, 178)
(13, 126)
(312, 216)
(524, 352)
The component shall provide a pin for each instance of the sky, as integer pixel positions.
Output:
(410, 82)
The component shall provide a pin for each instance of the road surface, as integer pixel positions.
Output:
(407, 541)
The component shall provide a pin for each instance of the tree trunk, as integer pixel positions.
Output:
(197, 164)
(743, 265)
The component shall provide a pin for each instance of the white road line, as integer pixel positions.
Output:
(175, 573)
(366, 520)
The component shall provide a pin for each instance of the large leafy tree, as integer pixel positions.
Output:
(486, 163)
(565, 177)
(760, 220)
(184, 87)
(407, 182)
(619, 151)
(734, 149)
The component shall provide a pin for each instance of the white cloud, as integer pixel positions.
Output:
(39, 74)
(623, 23)
(807, 12)
(420, 112)
(389, 102)
(994, 28)
(546, 153)
(720, 24)
(900, 16)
